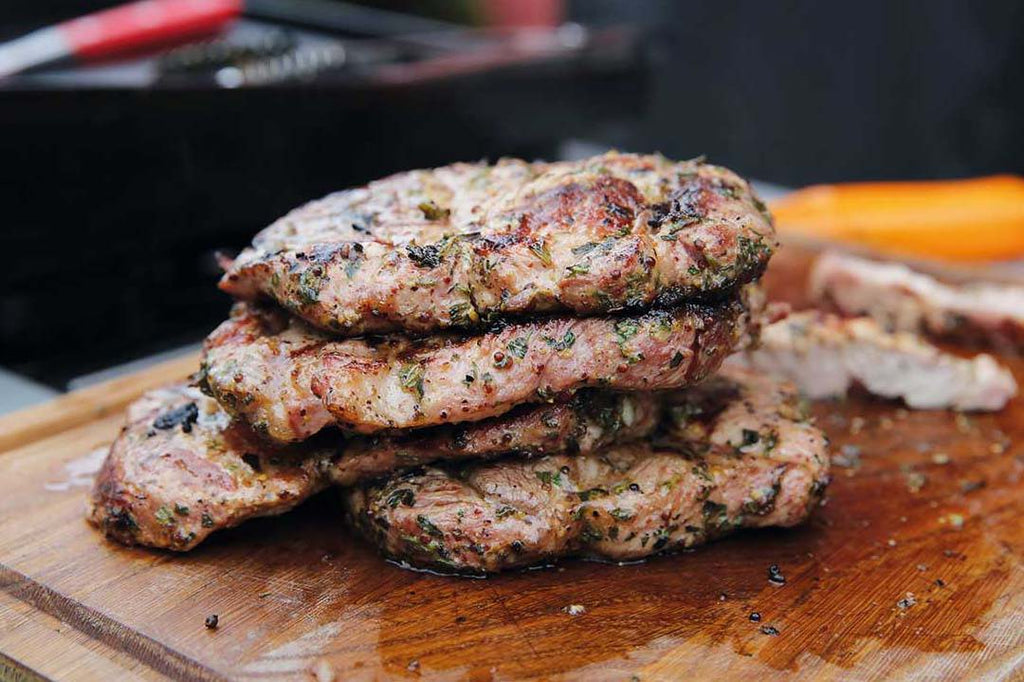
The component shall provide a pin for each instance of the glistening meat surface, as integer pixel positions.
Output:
(180, 469)
(738, 453)
(290, 381)
(457, 246)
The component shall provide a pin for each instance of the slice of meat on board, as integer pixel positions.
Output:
(290, 381)
(738, 454)
(901, 299)
(824, 355)
(456, 246)
(180, 469)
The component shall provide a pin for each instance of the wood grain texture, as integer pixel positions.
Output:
(933, 508)
(88, 404)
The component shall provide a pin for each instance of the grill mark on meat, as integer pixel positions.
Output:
(398, 383)
(171, 488)
(603, 234)
(703, 478)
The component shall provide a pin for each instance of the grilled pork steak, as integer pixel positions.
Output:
(738, 455)
(901, 299)
(290, 381)
(590, 421)
(181, 469)
(456, 246)
(824, 355)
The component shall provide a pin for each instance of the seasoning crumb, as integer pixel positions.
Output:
(940, 458)
(970, 486)
(848, 457)
(413, 666)
(775, 576)
(212, 621)
(922, 567)
(722, 596)
(956, 520)
(575, 609)
(755, 617)
(907, 601)
(916, 481)
(891, 542)
(770, 630)
(939, 582)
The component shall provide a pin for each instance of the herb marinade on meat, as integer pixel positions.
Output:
(290, 381)
(499, 364)
(735, 453)
(181, 469)
(462, 245)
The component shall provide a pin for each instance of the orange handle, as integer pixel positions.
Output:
(960, 220)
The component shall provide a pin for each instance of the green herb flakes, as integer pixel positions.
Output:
(411, 378)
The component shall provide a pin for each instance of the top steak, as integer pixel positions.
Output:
(456, 246)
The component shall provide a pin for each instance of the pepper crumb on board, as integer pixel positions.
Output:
(755, 617)
(907, 601)
(770, 630)
(212, 621)
(775, 576)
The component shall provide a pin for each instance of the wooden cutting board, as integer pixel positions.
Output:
(913, 569)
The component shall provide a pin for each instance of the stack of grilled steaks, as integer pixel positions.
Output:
(497, 365)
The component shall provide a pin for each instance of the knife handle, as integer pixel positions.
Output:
(148, 23)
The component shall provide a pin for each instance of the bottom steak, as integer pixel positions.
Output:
(181, 469)
(735, 452)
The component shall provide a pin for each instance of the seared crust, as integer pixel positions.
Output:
(737, 455)
(591, 420)
(290, 381)
(180, 469)
(459, 245)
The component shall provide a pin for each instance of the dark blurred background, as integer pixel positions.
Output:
(122, 180)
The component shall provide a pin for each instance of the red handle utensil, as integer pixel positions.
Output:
(119, 30)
